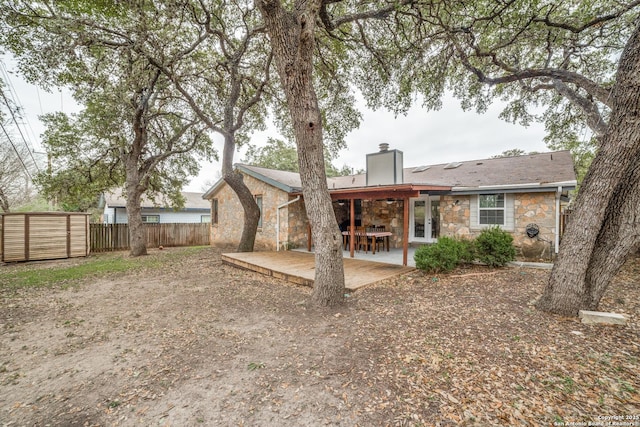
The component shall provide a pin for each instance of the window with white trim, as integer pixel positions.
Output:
(491, 209)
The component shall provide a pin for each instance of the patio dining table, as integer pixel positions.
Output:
(370, 234)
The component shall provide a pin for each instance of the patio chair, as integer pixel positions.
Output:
(361, 239)
(346, 237)
(358, 235)
(378, 240)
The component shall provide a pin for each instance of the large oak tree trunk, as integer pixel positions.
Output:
(137, 236)
(235, 181)
(291, 35)
(590, 240)
(618, 238)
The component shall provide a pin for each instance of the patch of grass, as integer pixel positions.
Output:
(568, 385)
(253, 366)
(626, 387)
(69, 275)
(66, 275)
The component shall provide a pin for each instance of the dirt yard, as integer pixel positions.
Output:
(192, 342)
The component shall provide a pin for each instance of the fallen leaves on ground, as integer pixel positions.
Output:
(194, 342)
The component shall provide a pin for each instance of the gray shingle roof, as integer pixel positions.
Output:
(115, 198)
(542, 169)
(289, 180)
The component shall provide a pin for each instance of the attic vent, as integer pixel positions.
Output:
(453, 165)
(420, 169)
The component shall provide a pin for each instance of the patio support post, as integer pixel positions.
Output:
(405, 230)
(557, 236)
(352, 228)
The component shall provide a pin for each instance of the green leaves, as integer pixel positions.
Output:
(135, 124)
(280, 155)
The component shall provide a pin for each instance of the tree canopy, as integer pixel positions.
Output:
(281, 155)
(135, 129)
(87, 47)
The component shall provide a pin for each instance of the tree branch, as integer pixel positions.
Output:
(592, 113)
(593, 23)
(598, 92)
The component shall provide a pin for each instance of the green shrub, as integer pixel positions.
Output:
(494, 247)
(444, 255)
(467, 250)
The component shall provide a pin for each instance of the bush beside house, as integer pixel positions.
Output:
(493, 247)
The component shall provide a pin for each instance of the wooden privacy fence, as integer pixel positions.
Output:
(113, 237)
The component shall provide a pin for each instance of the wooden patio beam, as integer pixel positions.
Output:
(352, 228)
(405, 231)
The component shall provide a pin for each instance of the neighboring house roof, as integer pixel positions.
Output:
(193, 201)
(531, 171)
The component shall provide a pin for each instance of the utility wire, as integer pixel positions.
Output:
(16, 150)
(12, 113)
(19, 131)
(26, 122)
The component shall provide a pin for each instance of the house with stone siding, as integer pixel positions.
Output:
(523, 195)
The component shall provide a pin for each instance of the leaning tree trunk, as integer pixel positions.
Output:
(137, 237)
(618, 238)
(292, 39)
(567, 291)
(235, 181)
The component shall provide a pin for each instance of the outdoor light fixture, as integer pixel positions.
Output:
(389, 201)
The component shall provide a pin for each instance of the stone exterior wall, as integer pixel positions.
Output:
(539, 209)
(455, 216)
(298, 226)
(529, 208)
(389, 215)
(228, 230)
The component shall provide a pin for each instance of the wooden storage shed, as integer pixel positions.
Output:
(29, 236)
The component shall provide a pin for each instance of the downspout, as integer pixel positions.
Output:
(278, 220)
(557, 239)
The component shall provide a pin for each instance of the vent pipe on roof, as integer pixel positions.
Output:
(384, 147)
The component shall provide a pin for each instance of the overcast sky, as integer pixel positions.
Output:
(425, 137)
